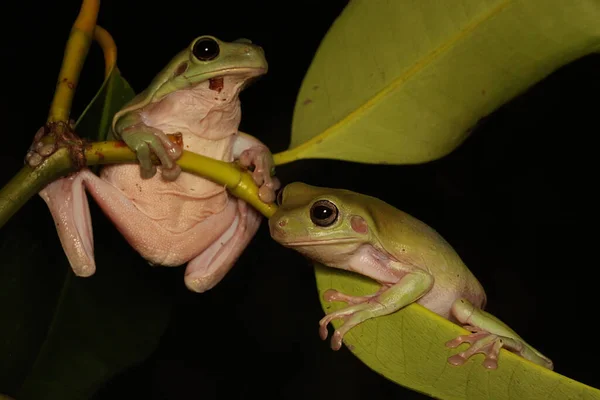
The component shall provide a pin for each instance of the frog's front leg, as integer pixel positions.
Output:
(252, 153)
(488, 337)
(334, 295)
(207, 269)
(412, 285)
(144, 140)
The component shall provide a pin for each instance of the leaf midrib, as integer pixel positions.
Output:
(417, 67)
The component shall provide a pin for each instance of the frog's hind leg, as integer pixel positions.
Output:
(68, 204)
(488, 337)
(70, 211)
(207, 269)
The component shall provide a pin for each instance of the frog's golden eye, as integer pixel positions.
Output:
(323, 213)
(206, 49)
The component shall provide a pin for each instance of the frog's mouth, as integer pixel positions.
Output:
(305, 243)
(250, 73)
(232, 80)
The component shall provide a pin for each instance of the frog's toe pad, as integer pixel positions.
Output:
(337, 340)
(266, 194)
(33, 159)
(172, 173)
(38, 153)
(481, 343)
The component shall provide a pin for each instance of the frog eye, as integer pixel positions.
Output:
(323, 213)
(206, 49)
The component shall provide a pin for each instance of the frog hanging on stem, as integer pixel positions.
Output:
(412, 262)
(173, 217)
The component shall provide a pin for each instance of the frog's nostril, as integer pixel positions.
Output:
(277, 228)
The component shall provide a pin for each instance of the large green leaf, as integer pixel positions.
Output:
(408, 348)
(403, 81)
(63, 336)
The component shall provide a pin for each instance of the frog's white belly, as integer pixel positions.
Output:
(180, 205)
(440, 299)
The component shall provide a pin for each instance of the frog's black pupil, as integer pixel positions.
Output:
(206, 49)
(322, 212)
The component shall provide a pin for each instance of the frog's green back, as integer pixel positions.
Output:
(400, 233)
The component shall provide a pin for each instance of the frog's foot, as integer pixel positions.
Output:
(481, 342)
(353, 315)
(61, 135)
(260, 161)
(489, 344)
(361, 309)
(488, 336)
(70, 211)
(206, 270)
(145, 141)
(39, 151)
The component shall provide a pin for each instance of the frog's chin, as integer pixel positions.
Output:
(242, 77)
(250, 81)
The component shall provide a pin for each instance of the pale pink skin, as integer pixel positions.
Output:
(171, 223)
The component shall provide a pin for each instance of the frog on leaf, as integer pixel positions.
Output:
(412, 262)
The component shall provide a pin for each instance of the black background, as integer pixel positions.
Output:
(515, 200)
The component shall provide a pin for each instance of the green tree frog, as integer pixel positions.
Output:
(172, 217)
(411, 261)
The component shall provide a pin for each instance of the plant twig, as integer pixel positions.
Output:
(28, 182)
(109, 49)
(76, 51)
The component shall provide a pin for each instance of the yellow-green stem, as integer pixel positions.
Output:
(76, 51)
(109, 49)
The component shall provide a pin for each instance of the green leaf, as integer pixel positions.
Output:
(95, 121)
(403, 81)
(63, 336)
(408, 347)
